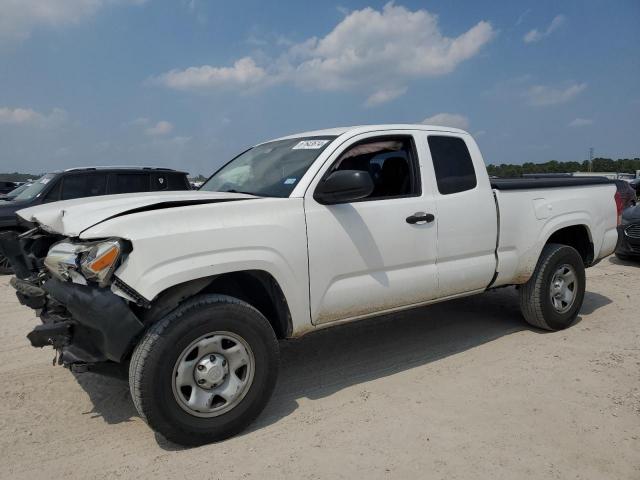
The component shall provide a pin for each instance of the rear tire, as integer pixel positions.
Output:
(167, 368)
(548, 300)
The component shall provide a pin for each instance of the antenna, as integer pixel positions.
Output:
(590, 159)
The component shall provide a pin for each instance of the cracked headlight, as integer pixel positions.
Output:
(79, 262)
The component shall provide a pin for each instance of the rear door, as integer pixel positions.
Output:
(467, 218)
(367, 256)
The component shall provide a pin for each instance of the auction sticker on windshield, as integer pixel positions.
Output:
(310, 144)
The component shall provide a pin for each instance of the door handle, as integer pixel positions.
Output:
(420, 217)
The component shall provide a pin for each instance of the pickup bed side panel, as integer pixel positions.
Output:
(177, 245)
(529, 217)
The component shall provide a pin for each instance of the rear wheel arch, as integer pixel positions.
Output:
(576, 236)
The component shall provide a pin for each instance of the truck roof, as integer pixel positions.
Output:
(357, 129)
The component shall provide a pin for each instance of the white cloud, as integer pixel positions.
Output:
(385, 95)
(161, 128)
(543, 95)
(29, 117)
(580, 122)
(243, 73)
(18, 18)
(368, 49)
(153, 129)
(444, 119)
(535, 35)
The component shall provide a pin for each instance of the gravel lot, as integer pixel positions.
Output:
(457, 390)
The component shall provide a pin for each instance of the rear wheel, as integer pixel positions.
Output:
(204, 372)
(553, 296)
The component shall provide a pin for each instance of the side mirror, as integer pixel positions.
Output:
(344, 186)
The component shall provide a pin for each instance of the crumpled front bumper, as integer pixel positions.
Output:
(86, 323)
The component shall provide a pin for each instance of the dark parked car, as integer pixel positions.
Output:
(6, 187)
(86, 182)
(629, 234)
(635, 184)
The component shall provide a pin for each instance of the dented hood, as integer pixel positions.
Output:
(71, 217)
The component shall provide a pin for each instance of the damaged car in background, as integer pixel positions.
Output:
(194, 289)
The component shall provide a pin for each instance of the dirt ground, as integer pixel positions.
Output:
(457, 390)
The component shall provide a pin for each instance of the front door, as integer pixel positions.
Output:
(379, 253)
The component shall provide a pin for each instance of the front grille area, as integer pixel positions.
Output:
(633, 231)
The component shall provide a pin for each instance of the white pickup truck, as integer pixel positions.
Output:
(195, 289)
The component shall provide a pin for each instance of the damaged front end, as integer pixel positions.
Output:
(69, 285)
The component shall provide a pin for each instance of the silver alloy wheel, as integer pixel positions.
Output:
(563, 288)
(213, 374)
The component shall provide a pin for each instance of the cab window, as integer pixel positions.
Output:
(452, 164)
(390, 161)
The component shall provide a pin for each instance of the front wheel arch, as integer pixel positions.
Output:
(257, 288)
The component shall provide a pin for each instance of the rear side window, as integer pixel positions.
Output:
(177, 181)
(168, 181)
(159, 181)
(79, 186)
(130, 183)
(452, 164)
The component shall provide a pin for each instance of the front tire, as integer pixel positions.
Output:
(205, 371)
(553, 296)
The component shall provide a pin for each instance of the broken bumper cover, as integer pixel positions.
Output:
(100, 326)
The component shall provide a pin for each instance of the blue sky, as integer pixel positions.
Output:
(189, 83)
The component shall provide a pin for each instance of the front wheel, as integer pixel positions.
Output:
(206, 371)
(553, 296)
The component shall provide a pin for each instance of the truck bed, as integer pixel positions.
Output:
(542, 182)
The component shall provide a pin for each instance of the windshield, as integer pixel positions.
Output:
(17, 191)
(35, 188)
(269, 170)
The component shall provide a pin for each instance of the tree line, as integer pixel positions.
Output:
(622, 165)
(19, 177)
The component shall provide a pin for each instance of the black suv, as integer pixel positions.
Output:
(87, 182)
